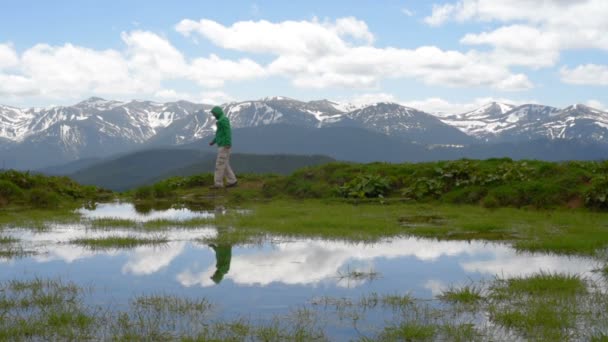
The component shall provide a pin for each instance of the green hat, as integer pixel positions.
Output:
(217, 112)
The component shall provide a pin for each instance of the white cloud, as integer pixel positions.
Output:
(215, 97)
(369, 98)
(173, 95)
(213, 71)
(588, 74)
(69, 71)
(407, 12)
(15, 86)
(320, 55)
(540, 29)
(440, 14)
(208, 97)
(519, 45)
(577, 13)
(152, 56)
(8, 56)
(597, 105)
(303, 38)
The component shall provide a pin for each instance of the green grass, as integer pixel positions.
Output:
(349, 274)
(43, 309)
(115, 242)
(544, 305)
(468, 295)
(10, 251)
(539, 284)
(37, 219)
(556, 231)
(490, 183)
(30, 190)
(112, 223)
(172, 304)
(6, 240)
(410, 331)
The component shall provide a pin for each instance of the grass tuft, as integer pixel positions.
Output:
(119, 242)
(468, 295)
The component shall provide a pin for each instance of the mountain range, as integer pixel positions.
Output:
(36, 138)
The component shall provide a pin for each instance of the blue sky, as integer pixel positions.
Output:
(435, 55)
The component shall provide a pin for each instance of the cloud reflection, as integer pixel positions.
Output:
(312, 262)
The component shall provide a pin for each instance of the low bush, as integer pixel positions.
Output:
(596, 197)
(42, 198)
(10, 192)
(365, 186)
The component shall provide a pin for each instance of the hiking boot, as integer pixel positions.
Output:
(232, 185)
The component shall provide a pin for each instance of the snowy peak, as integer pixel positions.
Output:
(494, 119)
(487, 111)
(406, 123)
(97, 103)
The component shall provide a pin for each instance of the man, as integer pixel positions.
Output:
(223, 139)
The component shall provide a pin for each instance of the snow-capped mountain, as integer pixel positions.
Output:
(481, 122)
(38, 137)
(498, 122)
(265, 111)
(407, 123)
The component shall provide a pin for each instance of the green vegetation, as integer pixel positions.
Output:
(24, 189)
(547, 306)
(43, 310)
(542, 307)
(558, 231)
(467, 295)
(490, 183)
(112, 242)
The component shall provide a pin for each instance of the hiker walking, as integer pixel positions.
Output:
(223, 139)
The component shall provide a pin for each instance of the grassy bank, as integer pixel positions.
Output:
(489, 183)
(557, 231)
(29, 190)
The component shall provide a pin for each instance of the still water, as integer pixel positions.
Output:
(268, 278)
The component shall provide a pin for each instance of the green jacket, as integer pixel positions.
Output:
(223, 134)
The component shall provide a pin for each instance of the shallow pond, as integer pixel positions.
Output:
(266, 279)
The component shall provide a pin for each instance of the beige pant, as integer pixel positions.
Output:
(222, 167)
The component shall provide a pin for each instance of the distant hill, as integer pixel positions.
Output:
(341, 143)
(146, 167)
(541, 149)
(282, 164)
(137, 168)
(69, 168)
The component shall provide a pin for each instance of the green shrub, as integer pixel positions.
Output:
(365, 186)
(468, 195)
(42, 198)
(199, 180)
(596, 197)
(144, 192)
(507, 195)
(490, 201)
(9, 191)
(162, 190)
(424, 188)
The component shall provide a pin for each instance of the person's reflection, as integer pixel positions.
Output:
(223, 251)
(223, 255)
